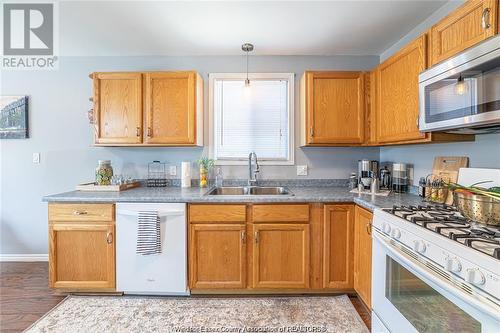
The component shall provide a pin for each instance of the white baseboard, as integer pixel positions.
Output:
(24, 257)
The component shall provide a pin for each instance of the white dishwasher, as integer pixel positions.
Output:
(159, 274)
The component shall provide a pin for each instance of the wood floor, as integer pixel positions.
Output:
(25, 296)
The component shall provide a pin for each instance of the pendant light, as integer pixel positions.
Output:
(247, 47)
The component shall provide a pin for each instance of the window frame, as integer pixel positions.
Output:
(290, 77)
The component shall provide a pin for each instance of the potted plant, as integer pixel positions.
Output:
(205, 164)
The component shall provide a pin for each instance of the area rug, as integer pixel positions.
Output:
(315, 314)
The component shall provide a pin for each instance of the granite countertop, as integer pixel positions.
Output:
(198, 195)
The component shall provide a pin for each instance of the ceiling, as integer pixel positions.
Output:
(219, 28)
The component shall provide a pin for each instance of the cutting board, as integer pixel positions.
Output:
(447, 167)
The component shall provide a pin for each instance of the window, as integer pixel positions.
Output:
(258, 118)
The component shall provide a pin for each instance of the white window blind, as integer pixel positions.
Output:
(254, 118)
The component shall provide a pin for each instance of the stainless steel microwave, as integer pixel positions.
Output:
(462, 94)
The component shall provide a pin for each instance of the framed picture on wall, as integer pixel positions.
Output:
(14, 117)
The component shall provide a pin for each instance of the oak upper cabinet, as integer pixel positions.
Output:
(470, 24)
(118, 108)
(217, 256)
(332, 108)
(363, 254)
(82, 247)
(148, 109)
(280, 256)
(172, 102)
(338, 246)
(397, 97)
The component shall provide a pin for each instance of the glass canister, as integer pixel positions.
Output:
(103, 173)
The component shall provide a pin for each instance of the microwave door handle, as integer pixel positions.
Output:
(482, 306)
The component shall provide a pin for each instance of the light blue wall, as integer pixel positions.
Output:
(61, 133)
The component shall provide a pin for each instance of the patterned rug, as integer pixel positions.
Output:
(314, 314)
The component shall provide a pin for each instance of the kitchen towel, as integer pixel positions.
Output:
(148, 233)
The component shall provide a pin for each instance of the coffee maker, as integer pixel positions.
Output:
(367, 172)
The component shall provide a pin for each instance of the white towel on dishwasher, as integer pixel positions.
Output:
(148, 233)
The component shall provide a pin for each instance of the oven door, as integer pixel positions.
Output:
(462, 92)
(408, 296)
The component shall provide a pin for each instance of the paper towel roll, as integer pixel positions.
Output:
(186, 174)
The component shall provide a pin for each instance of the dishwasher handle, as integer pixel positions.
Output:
(161, 213)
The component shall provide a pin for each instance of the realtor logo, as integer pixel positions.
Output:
(28, 36)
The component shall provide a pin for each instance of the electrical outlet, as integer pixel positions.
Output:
(173, 170)
(301, 170)
(36, 158)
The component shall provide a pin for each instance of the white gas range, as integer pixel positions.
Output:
(434, 271)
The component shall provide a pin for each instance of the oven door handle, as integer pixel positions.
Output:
(485, 306)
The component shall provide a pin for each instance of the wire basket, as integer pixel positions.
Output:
(157, 174)
(436, 189)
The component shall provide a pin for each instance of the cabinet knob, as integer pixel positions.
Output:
(256, 236)
(243, 237)
(150, 132)
(80, 212)
(109, 237)
(311, 131)
(485, 19)
(138, 131)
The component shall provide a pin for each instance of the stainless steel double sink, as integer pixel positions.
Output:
(250, 190)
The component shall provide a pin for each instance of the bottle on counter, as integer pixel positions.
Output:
(353, 181)
(219, 179)
(103, 173)
(421, 187)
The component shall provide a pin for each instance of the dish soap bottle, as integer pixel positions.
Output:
(219, 179)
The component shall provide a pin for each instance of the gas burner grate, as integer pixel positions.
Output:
(448, 222)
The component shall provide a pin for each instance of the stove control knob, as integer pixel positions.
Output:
(387, 228)
(396, 233)
(475, 276)
(452, 264)
(419, 246)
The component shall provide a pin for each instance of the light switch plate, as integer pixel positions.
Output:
(173, 170)
(301, 170)
(36, 158)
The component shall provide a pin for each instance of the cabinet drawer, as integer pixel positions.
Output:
(280, 213)
(217, 213)
(81, 212)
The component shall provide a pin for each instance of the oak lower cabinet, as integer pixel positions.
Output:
(82, 246)
(280, 256)
(363, 254)
(338, 246)
(470, 24)
(332, 108)
(217, 256)
(82, 255)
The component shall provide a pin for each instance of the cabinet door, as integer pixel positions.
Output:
(397, 94)
(472, 23)
(363, 254)
(82, 255)
(335, 107)
(280, 256)
(170, 107)
(338, 247)
(118, 108)
(217, 256)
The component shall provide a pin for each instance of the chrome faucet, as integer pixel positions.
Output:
(252, 172)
